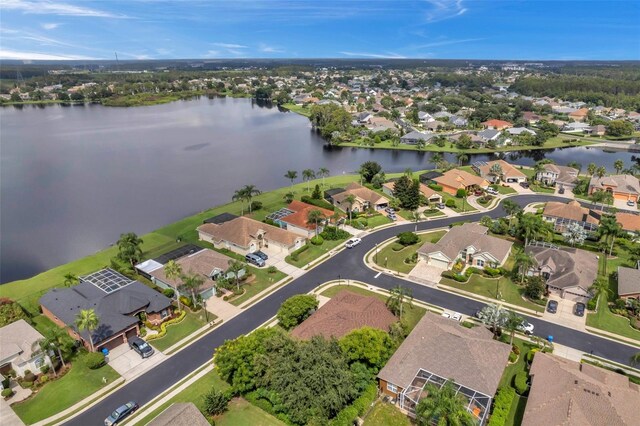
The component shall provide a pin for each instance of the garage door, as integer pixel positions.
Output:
(439, 263)
(117, 341)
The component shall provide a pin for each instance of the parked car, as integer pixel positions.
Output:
(392, 216)
(492, 191)
(440, 206)
(478, 192)
(121, 413)
(143, 348)
(561, 190)
(524, 184)
(630, 203)
(446, 314)
(456, 316)
(390, 210)
(261, 255)
(526, 328)
(552, 306)
(579, 309)
(352, 242)
(254, 259)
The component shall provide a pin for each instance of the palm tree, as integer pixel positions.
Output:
(496, 170)
(291, 175)
(54, 339)
(461, 157)
(524, 261)
(601, 286)
(288, 197)
(398, 297)
(235, 266)
(601, 171)
(87, 319)
(239, 195)
(249, 192)
(307, 175)
(591, 169)
(618, 165)
(493, 316)
(436, 159)
(192, 282)
(512, 323)
(129, 248)
(323, 172)
(444, 407)
(350, 199)
(335, 217)
(609, 228)
(69, 279)
(173, 271)
(314, 216)
(512, 209)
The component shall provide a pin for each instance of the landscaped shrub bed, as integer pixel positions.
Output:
(501, 406)
(296, 254)
(333, 234)
(163, 326)
(94, 360)
(317, 240)
(520, 382)
(407, 238)
(435, 187)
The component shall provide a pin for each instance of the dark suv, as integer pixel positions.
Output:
(552, 307)
(579, 309)
(143, 348)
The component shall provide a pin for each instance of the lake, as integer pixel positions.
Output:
(73, 178)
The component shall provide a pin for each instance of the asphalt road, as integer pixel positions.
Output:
(347, 264)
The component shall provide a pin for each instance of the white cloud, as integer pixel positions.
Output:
(443, 43)
(444, 9)
(36, 56)
(230, 45)
(389, 55)
(212, 54)
(53, 8)
(269, 49)
(50, 26)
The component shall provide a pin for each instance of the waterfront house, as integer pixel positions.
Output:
(365, 198)
(412, 138)
(551, 175)
(507, 173)
(456, 179)
(576, 127)
(244, 235)
(116, 300)
(622, 187)
(19, 349)
(475, 370)
(431, 195)
(468, 243)
(295, 216)
(489, 135)
(564, 214)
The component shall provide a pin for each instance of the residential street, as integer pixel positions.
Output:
(349, 265)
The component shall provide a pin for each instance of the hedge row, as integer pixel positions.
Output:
(163, 326)
(297, 253)
(520, 382)
(501, 406)
(318, 203)
(348, 415)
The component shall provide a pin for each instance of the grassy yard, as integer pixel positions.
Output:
(313, 252)
(28, 291)
(297, 109)
(412, 314)
(261, 280)
(176, 332)
(240, 412)
(461, 203)
(395, 259)
(537, 188)
(505, 189)
(386, 414)
(79, 383)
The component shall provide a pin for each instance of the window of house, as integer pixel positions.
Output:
(39, 362)
(164, 313)
(392, 388)
(480, 262)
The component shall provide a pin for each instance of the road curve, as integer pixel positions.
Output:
(348, 264)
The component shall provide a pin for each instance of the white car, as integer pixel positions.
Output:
(457, 317)
(491, 191)
(526, 328)
(446, 314)
(353, 242)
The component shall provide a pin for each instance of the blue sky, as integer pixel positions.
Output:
(439, 29)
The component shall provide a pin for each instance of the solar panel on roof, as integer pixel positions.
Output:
(107, 280)
(178, 253)
(283, 212)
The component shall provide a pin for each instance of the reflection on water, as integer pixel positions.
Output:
(73, 177)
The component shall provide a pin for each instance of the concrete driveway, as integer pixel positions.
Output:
(622, 205)
(565, 315)
(277, 259)
(426, 272)
(129, 364)
(520, 190)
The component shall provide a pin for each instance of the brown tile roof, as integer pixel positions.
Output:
(507, 169)
(345, 312)
(470, 357)
(571, 210)
(202, 263)
(301, 213)
(571, 267)
(565, 392)
(498, 124)
(242, 230)
(629, 221)
(582, 112)
(628, 281)
(460, 179)
(361, 192)
(469, 234)
(625, 184)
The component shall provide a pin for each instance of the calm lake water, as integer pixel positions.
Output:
(74, 177)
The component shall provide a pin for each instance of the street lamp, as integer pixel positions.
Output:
(338, 279)
(498, 288)
(206, 313)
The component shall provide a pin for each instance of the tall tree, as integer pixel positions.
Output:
(462, 158)
(397, 298)
(307, 175)
(129, 248)
(609, 228)
(235, 267)
(323, 172)
(239, 195)
(249, 192)
(350, 199)
(368, 170)
(574, 234)
(601, 172)
(173, 271)
(291, 175)
(493, 316)
(70, 279)
(512, 209)
(436, 159)
(443, 407)
(512, 323)
(192, 282)
(496, 170)
(87, 319)
(618, 165)
(314, 216)
(55, 339)
(591, 169)
(531, 226)
(524, 261)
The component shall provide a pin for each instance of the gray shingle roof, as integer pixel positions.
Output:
(571, 267)
(628, 281)
(180, 414)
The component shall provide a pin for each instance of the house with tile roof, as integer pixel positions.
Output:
(568, 272)
(551, 174)
(629, 282)
(630, 222)
(496, 124)
(469, 243)
(579, 114)
(475, 370)
(345, 312)
(455, 179)
(565, 214)
(622, 187)
(18, 344)
(244, 235)
(295, 216)
(365, 198)
(507, 173)
(565, 392)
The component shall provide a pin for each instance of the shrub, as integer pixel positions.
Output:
(44, 369)
(296, 309)
(318, 203)
(316, 194)
(10, 312)
(348, 415)
(451, 203)
(408, 238)
(26, 384)
(163, 326)
(169, 292)
(513, 357)
(215, 402)
(317, 240)
(186, 301)
(94, 360)
(620, 304)
(435, 187)
(502, 406)
(5, 382)
(333, 234)
(515, 349)
(43, 379)
(29, 376)
(461, 193)
(6, 393)
(272, 270)
(492, 272)
(225, 297)
(363, 222)
(295, 255)
(520, 382)
(471, 270)
(530, 355)
(256, 205)
(468, 324)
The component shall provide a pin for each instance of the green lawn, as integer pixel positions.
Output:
(43, 324)
(412, 314)
(461, 203)
(377, 220)
(395, 259)
(261, 281)
(176, 332)
(386, 414)
(505, 189)
(240, 412)
(313, 252)
(537, 188)
(58, 395)
(297, 109)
